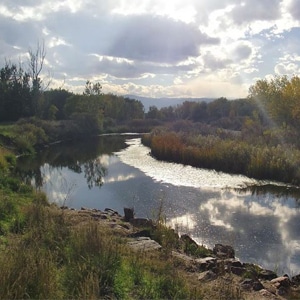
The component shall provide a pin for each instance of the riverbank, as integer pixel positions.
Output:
(228, 152)
(215, 273)
(49, 252)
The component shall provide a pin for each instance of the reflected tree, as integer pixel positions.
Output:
(94, 173)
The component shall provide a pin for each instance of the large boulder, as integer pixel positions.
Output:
(128, 214)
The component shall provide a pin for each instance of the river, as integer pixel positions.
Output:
(261, 220)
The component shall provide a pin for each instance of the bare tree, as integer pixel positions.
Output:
(36, 63)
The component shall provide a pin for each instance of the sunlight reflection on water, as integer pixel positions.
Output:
(138, 156)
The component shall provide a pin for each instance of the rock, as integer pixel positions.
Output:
(223, 251)
(144, 244)
(296, 279)
(183, 257)
(128, 214)
(231, 262)
(112, 212)
(252, 284)
(282, 281)
(145, 233)
(267, 275)
(266, 294)
(206, 263)
(95, 215)
(237, 270)
(282, 291)
(207, 276)
(141, 222)
(257, 285)
(247, 284)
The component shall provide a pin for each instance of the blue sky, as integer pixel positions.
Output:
(154, 48)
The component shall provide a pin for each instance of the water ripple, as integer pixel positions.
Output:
(138, 156)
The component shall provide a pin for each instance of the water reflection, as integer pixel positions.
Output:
(262, 229)
(260, 222)
(77, 156)
(138, 156)
(277, 189)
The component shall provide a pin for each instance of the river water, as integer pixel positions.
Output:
(260, 220)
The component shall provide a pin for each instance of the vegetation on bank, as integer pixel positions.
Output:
(44, 255)
(51, 259)
(231, 155)
(260, 141)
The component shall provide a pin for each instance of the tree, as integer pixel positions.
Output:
(277, 97)
(15, 93)
(153, 113)
(57, 98)
(92, 89)
(36, 63)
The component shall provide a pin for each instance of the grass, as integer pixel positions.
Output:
(50, 257)
(7, 129)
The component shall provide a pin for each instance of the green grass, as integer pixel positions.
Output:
(7, 130)
(53, 260)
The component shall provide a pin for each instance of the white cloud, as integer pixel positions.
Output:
(170, 48)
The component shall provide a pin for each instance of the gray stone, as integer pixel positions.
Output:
(144, 244)
(206, 263)
(183, 257)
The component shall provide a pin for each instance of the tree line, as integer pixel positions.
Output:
(270, 111)
(21, 96)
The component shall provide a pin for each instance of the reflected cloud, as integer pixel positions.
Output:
(184, 223)
(119, 178)
(264, 223)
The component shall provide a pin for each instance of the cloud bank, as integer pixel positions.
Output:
(153, 48)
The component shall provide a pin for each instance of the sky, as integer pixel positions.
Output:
(155, 48)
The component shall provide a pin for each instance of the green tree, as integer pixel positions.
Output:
(15, 93)
(153, 113)
(58, 98)
(86, 110)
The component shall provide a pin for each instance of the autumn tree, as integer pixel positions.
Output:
(272, 98)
